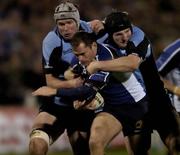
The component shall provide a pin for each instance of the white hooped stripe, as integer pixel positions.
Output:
(41, 134)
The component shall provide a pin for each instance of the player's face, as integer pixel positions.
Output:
(67, 28)
(86, 54)
(121, 38)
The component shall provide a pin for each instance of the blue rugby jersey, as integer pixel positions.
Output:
(57, 55)
(140, 44)
(113, 92)
(168, 65)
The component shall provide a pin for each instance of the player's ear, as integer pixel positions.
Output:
(94, 45)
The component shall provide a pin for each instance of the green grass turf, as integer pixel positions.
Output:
(108, 152)
(112, 152)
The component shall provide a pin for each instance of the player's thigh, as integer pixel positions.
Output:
(43, 118)
(48, 124)
(104, 128)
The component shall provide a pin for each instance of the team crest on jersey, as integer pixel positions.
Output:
(138, 126)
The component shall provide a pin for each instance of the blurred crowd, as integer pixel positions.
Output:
(24, 24)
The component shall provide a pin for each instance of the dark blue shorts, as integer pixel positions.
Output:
(67, 118)
(131, 116)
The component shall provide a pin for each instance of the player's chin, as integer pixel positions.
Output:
(123, 45)
(67, 37)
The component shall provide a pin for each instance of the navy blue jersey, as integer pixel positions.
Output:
(168, 65)
(113, 92)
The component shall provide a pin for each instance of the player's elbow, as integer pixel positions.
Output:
(134, 62)
(133, 67)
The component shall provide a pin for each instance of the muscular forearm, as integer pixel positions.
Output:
(123, 64)
(115, 65)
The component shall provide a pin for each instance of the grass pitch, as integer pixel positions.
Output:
(108, 152)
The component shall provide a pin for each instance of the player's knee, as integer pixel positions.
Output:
(95, 142)
(39, 143)
(97, 138)
(38, 147)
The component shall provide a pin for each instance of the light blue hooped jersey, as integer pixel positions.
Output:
(57, 55)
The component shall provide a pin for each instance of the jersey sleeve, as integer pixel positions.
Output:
(101, 78)
(81, 93)
(93, 83)
(169, 59)
(139, 44)
(85, 26)
(54, 61)
(50, 47)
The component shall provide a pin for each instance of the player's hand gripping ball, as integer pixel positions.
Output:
(96, 103)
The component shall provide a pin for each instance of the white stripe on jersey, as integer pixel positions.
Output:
(167, 60)
(172, 44)
(137, 92)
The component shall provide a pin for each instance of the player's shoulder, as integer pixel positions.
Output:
(85, 26)
(137, 29)
(52, 34)
(138, 35)
(51, 38)
(104, 52)
(176, 42)
(173, 47)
